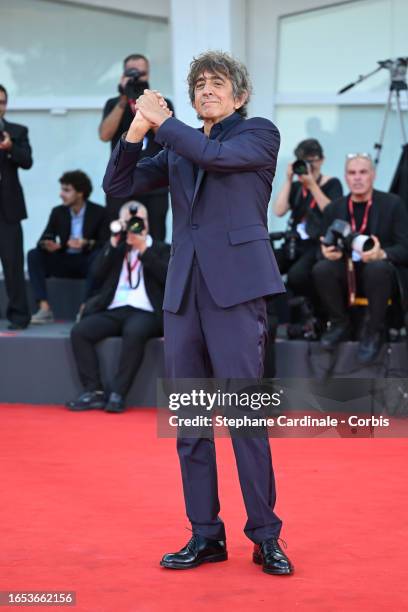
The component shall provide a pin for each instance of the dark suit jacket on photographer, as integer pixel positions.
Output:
(108, 267)
(12, 211)
(12, 204)
(95, 228)
(388, 220)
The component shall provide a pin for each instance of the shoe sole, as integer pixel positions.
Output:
(212, 559)
(84, 409)
(258, 561)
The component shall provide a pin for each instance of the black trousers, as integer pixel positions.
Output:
(12, 260)
(133, 325)
(375, 281)
(157, 205)
(299, 271)
(42, 265)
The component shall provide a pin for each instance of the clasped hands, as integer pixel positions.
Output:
(151, 112)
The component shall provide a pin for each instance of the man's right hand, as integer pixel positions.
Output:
(50, 245)
(330, 252)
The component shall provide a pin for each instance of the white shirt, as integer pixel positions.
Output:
(124, 294)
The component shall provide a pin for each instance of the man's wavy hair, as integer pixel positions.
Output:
(219, 62)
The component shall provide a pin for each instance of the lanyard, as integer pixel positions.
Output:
(130, 269)
(363, 225)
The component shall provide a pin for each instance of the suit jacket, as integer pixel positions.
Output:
(388, 220)
(95, 228)
(108, 266)
(12, 204)
(219, 215)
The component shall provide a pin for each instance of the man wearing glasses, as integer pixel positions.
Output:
(374, 273)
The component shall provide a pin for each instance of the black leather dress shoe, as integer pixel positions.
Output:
(370, 347)
(115, 403)
(337, 333)
(90, 400)
(197, 551)
(272, 558)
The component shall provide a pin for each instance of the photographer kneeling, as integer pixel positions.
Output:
(306, 198)
(129, 304)
(373, 264)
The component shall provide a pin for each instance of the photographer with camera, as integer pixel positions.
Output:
(133, 267)
(75, 231)
(118, 114)
(306, 198)
(368, 253)
(15, 153)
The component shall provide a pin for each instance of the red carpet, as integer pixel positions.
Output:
(91, 501)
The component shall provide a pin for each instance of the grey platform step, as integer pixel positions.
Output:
(37, 365)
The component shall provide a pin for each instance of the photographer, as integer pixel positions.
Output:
(75, 230)
(374, 269)
(133, 267)
(117, 117)
(306, 198)
(15, 153)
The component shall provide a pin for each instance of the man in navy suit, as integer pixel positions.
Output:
(221, 268)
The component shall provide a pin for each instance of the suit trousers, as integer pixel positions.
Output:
(133, 325)
(203, 340)
(375, 280)
(42, 265)
(12, 260)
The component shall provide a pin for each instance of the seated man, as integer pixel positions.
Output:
(75, 231)
(129, 305)
(374, 271)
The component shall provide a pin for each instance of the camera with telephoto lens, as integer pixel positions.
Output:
(290, 238)
(135, 224)
(134, 86)
(340, 235)
(301, 167)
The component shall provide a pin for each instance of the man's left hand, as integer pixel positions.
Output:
(6, 144)
(76, 243)
(374, 254)
(153, 107)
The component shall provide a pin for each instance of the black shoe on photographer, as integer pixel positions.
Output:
(115, 403)
(370, 346)
(90, 400)
(338, 332)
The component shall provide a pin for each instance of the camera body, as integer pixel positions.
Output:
(134, 86)
(340, 235)
(290, 238)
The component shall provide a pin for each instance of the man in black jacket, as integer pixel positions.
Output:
(377, 271)
(15, 152)
(75, 231)
(118, 114)
(129, 305)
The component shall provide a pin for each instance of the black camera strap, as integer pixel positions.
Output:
(137, 265)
